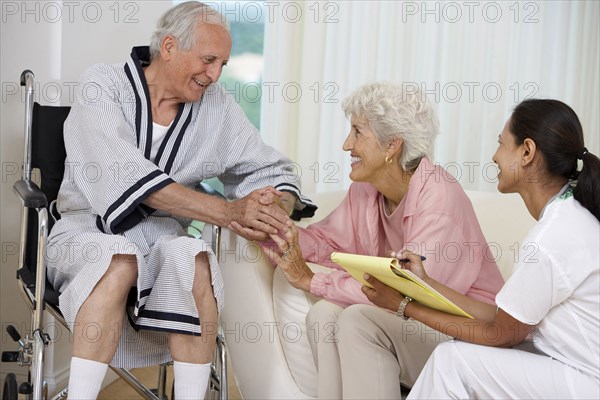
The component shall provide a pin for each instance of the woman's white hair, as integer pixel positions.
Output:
(181, 21)
(396, 110)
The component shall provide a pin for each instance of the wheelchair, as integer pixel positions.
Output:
(45, 150)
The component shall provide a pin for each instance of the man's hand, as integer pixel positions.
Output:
(381, 294)
(285, 200)
(251, 218)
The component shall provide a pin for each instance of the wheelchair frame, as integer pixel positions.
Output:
(32, 347)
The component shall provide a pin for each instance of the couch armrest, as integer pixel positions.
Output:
(249, 324)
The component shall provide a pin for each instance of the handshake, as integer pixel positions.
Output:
(262, 213)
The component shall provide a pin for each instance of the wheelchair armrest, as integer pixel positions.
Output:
(31, 195)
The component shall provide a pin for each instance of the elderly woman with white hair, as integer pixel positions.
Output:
(398, 200)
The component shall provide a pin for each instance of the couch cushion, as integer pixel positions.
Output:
(505, 221)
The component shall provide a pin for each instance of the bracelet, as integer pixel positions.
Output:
(402, 307)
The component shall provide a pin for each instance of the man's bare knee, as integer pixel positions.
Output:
(125, 266)
(121, 274)
(104, 309)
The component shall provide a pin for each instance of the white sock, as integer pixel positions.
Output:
(191, 380)
(85, 379)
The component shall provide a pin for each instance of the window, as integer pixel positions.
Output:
(242, 77)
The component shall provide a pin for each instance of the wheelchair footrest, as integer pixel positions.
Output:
(10, 356)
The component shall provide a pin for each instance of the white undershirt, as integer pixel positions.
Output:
(158, 134)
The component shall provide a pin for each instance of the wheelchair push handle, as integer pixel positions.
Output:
(26, 74)
(27, 80)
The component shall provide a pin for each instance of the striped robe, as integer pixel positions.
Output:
(109, 173)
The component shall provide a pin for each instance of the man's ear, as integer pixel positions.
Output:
(168, 45)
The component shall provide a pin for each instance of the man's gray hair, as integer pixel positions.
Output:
(181, 21)
(396, 110)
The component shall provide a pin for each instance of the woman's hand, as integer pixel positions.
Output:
(381, 294)
(290, 261)
(387, 297)
(414, 263)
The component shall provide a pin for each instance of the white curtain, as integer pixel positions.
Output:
(475, 60)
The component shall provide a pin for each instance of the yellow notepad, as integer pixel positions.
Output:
(388, 271)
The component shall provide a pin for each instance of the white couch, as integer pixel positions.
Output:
(254, 334)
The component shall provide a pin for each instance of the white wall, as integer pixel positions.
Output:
(57, 41)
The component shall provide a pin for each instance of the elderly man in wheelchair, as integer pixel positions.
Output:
(118, 253)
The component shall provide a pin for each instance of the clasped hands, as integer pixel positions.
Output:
(261, 213)
(264, 214)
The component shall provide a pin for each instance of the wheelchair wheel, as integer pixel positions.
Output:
(10, 391)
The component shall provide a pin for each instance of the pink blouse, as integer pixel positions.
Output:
(435, 219)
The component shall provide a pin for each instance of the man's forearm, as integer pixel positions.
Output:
(183, 202)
